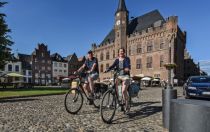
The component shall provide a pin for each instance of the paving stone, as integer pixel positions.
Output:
(47, 113)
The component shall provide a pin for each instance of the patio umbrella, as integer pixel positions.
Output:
(14, 75)
(146, 79)
(156, 80)
(139, 75)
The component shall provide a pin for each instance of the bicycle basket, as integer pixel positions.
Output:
(74, 84)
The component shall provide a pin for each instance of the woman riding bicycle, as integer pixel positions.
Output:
(122, 64)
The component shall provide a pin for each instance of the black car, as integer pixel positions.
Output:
(197, 86)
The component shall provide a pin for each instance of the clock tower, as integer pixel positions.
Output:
(121, 24)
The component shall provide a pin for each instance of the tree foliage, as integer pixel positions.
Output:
(5, 39)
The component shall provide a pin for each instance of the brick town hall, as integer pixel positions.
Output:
(150, 41)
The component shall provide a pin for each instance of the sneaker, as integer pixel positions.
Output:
(127, 110)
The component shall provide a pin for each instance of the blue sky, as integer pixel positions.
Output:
(69, 26)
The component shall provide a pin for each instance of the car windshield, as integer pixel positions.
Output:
(200, 80)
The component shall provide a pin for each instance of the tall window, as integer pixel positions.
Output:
(102, 68)
(138, 64)
(149, 46)
(55, 64)
(65, 65)
(113, 53)
(29, 73)
(161, 61)
(129, 50)
(118, 34)
(149, 62)
(102, 57)
(161, 44)
(17, 68)
(107, 55)
(9, 67)
(43, 68)
(139, 49)
(107, 65)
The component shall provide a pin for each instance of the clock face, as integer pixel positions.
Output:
(118, 14)
(118, 22)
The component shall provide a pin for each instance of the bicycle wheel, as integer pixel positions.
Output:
(108, 107)
(73, 101)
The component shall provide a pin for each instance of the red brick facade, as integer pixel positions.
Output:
(146, 44)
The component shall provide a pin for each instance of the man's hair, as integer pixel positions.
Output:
(121, 49)
(90, 52)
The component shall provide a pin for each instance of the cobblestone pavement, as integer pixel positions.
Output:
(47, 113)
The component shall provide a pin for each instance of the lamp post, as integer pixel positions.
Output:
(39, 77)
(168, 93)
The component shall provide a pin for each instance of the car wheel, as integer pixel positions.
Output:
(186, 95)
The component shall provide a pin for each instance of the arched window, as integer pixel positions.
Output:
(107, 65)
(161, 44)
(129, 50)
(139, 49)
(102, 68)
(9, 67)
(149, 46)
(149, 62)
(107, 55)
(113, 53)
(138, 64)
(102, 56)
(161, 61)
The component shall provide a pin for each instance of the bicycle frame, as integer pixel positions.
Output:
(80, 85)
(114, 87)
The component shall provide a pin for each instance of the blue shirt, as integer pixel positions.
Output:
(126, 64)
(89, 64)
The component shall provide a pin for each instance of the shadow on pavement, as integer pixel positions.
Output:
(16, 100)
(135, 104)
(145, 111)
(86, 112)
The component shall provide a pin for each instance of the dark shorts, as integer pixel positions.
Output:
(94, 76)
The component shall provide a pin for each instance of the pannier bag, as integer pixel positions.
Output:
(134, 89)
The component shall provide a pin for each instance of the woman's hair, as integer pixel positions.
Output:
(121, 49)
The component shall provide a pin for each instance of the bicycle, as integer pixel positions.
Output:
(110, 100)
(74, 97)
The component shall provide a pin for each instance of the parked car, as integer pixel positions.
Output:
(197, 86)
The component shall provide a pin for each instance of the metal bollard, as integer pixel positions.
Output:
(167, 95)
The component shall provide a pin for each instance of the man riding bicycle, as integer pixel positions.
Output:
(91, 67)
(122, 64)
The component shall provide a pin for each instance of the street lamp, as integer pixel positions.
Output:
(168, 93)
(39, 77)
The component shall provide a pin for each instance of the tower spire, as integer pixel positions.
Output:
(121, 6)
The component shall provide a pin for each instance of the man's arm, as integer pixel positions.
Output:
(81, 68)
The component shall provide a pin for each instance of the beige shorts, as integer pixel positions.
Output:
(124, 78)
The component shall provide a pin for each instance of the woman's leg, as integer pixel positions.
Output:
(125, 92)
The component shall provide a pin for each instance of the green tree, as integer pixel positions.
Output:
(5, 39)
